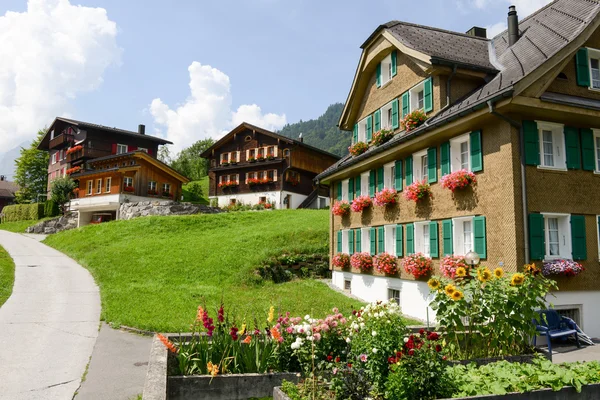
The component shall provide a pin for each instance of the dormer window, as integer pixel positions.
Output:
(588, 68)
(386, 69)
(419, 97)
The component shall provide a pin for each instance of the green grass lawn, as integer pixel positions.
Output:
(7, 275)
(19, 226)
(153, 272)
(196, 191)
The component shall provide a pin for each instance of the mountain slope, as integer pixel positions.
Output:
(322, 132)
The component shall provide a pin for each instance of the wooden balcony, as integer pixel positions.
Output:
(61, 140)
(86, 153)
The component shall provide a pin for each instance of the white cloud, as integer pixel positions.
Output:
(49, 54)
(493, 30)
(207, 111)
(524, 7)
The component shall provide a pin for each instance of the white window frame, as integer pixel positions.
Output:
(365, 240)
(390, 239)
(596, 150)
(364, 184)
(362, 130)
(120, 148)
(90, 187)
(152, 185)
(345, 244)
(564, 239)
(54, 157)
(458, 243)
(166, 187)
(420, 228)
(99, 186)
(558, 145)
(107, 184)
(345, 195)
(386, 70)
(383, 112)
(456, 153)
(593, 54)
(391, 293)
(417, 165)
(389, 175)
(413, 99)
(127, 179)
(598, 230)
(52, 134)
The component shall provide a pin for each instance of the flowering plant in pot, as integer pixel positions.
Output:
(361, 203)
(386, 197)
(458, 180)
(340, 208)
(358, 148)
(260, 158)
(341, 260)
(413, 120)
(74, 149)
(73, 170)
(129, 189)
(562, 267)
(253, 181)
(152, 192)
(417, 265)
(381, 137)
(252, 159)
(386, 263)
(450, 264)
(270, 157)
(362, 261)
(224, 164)
(417, 191)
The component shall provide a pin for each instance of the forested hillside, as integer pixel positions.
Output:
(322, 132)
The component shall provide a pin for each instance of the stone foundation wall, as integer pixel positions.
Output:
(145, 208)
(54, 225)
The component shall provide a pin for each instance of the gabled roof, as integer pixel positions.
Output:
(246, 126)
(81, 124)
(8, 189)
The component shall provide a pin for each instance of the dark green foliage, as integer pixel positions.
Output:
(189, 163)
(322, 132)
(51, 209)
(23, 212)
(31, 173)
(61, 191)
(196, 191)
(283, 268)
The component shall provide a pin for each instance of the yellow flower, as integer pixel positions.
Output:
(433, 284)
(271, 314)
(498, 273)
(484, 274)
(213, 369)
(457, 295)
(449, 289)
(461, 272)
(532, 269)
(517, 279)
(243, 330)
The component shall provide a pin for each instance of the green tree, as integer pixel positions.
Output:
(164, 154)
(189, 162)
(61, 191)
(31, 172)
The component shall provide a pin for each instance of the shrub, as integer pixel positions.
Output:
(51, 209)
(358, 148)
(417, 191)
(562, 267)
(341, 260)
(386, 263)
(449, 265)
(413, 120)
(340, 208)
(361, 203)
(386, 197)
(361, 261)
(458, 180)
(23, 212)
(417, 265)
(381, 137)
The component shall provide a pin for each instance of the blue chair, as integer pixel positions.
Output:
(552, 325)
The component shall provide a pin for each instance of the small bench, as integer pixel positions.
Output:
(552, 325)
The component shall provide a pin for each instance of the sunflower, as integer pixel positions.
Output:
(461, 272)
(457, 295)
(449, 289)
(433, 284)
(484, 274)
(498, 273)
(532, 269)
(517, 279)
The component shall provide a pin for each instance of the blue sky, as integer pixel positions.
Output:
(292, 58)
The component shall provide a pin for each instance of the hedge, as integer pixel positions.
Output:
(23, 212)
(51, 209)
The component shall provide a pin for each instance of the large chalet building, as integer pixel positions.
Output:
(251, 165)
(521, 111)
(111, 166)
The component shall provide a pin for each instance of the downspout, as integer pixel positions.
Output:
(523, 174)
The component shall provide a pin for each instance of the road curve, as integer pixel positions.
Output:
(48, 326)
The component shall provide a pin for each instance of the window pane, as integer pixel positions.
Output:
(389, 117)
(467, 235)
(425, 239)
(548, 148)
(464, 155)
(595, 73)
(424, 171)
(421, 97)
(553, 243)
(598, 153)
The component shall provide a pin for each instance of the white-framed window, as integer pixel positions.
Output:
(420, 167)
(390, 239)
(394, 294)
(365, 239)
(597, 148)
(145, 150)
(389, 175)
(364, 183)
(460, 153)
(166, 188)
(152, 185)
(386, 116)
(386, 70)
(462, 235)
(417, 97)
(52, 134)
(557, 229)
(61, 155)
(345, 195)
(107, 184)
(422, 244)
(128, 181)
(345, 244)
(121, 148)
(98, 186)
(552, 145)
(362, 130)
(90, 188)
(348, 285)
(54, 155)
(594, 62)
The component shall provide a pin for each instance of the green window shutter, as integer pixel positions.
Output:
(399, 241)
(578, 237)
(350, 242)
(537, 240)
(350, 189)
(445, 158)
(410, 239)
(339, 241)
(587, 149)
(447, 239)
(369, 128)
(434, 248)
(573, 148)
(432, 165)
(479, 236)
(372, 240)
(398, 175)
(357, 186)
(380, 240)
(428, 96)
(378, 75)
(379, 179)
(395, 122)
(532, 143)
(583, 67)
(372, 183)
(405, 103)
(355, 134)
(394, 63)
(476, 153)
(408, 173)
(377, 122)
(339, 191)
(358, 235)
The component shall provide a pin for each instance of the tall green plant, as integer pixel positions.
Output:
(61, 191)
(31, 173)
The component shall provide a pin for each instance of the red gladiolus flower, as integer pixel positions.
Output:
(411, 352)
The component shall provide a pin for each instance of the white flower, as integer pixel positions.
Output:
(362, 325)
(310, 338)
(405, 340)
(295, 346)
(374, 333)
(307, 317)
(374, 351)
(348, 340)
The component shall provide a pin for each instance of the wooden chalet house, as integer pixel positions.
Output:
(520, 111)
(111, 166)
(7, 192)
(251, 165)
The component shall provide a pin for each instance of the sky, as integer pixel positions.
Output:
(191, 69)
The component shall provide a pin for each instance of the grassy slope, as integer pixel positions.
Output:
(7, 275)
(153, 272)
(19, 226)
(190, 192)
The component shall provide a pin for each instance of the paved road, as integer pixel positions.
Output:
(48, 326)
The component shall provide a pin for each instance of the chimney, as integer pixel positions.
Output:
(2, 178)
(142, 129)
(477, 31)
(513, 25)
